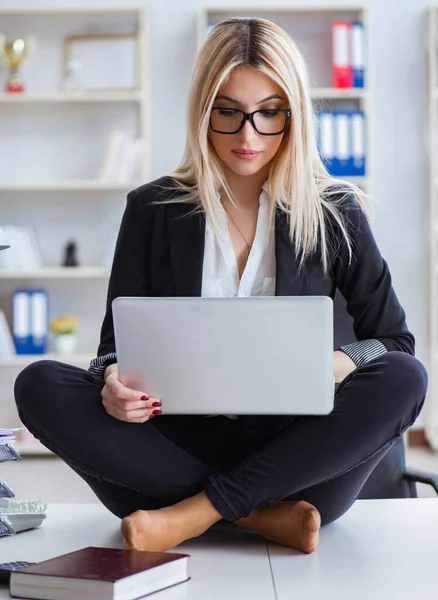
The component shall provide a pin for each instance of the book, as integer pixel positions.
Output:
(7, 346)
(101, 574)
(24, 250)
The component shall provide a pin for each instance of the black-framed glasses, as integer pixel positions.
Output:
(267, 121)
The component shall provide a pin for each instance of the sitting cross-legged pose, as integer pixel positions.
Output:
(250, 211)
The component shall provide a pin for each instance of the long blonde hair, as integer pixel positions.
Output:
(299, 183)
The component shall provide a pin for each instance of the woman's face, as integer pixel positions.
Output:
(247, 152)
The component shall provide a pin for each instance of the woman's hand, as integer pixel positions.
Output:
(125, 404)
(342, 365)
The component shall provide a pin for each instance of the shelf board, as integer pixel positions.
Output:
(57, 273)
(85, 11)
(22, 360)
(339, 93)
(86, 185)
(71, 97)
(299, 8)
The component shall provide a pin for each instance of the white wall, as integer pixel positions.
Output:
(397, 60)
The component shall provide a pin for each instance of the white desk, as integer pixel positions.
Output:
(379, 550)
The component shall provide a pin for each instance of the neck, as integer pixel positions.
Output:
(246, 190)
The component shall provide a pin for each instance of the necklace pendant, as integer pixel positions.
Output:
(245, 255)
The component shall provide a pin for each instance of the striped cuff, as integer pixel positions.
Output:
(364, 351)
(100, 363)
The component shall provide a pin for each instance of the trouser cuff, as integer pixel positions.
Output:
(219, 502)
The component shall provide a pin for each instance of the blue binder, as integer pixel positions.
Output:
(325, 139)
(357, 54)
(341, 142)
(358, 143)
(30, 317)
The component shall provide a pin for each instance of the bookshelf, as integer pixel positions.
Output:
(52, 143)
(431, 408)
(310, 28)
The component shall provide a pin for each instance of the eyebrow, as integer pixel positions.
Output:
(272, 97)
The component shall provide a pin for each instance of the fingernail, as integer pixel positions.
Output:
(145, 397)
(151, 417)
(156, 403)
(157, 412)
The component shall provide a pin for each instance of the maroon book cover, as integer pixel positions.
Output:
(101, 564)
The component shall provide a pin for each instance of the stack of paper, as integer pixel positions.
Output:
(7, 450)
(19, 515)
(16, 515)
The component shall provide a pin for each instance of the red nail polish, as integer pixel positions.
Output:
(145, 397)
(156, 404)
(157, 412)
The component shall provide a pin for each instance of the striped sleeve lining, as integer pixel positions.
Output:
(100, 363)
(364, 351)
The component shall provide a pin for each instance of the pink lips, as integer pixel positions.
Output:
(245, 154)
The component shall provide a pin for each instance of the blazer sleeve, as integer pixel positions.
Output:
(379, 321)
(129, 272)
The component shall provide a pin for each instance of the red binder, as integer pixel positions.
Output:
(341, 55)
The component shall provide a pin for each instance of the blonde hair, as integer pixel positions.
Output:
(299, 184)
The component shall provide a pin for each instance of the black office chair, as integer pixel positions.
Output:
(391, 478)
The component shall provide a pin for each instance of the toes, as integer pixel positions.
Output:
(128, 531)
(310, 530)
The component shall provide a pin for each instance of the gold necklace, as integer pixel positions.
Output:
(245, 254)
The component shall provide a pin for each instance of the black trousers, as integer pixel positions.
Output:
(241, 464)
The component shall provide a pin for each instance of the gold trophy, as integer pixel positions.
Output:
(13, 54)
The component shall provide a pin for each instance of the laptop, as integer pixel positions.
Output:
(256, 355)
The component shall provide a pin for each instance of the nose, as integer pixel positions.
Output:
(248, 132)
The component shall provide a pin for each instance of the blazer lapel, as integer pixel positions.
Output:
(288, 281)
(186, 232)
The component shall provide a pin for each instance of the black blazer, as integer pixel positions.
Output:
(159, 252)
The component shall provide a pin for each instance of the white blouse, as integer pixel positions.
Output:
(220, 275)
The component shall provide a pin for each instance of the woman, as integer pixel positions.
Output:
(250, 210)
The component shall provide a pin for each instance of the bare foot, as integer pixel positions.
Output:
(160, 530)
(293, 524)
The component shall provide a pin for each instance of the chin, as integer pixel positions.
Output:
(245, 170)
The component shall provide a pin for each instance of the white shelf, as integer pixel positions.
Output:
(58, 273)
(64, 97)
(329, 8)
(22, 360)
(32, 449)
(86, 11)
(339, 94)
(86, 185)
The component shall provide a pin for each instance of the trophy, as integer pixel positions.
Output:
(13, 54)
